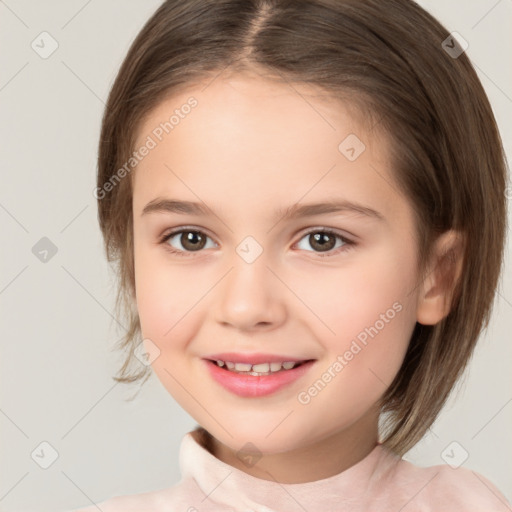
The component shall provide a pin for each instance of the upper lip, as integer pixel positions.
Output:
(235, 357)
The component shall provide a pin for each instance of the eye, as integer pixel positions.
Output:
(323, 239)
(192, 240)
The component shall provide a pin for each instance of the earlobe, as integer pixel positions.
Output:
(436, 291)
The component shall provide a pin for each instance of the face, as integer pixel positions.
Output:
(335, 288)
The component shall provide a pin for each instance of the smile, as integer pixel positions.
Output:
(247, 380)
(257, 369)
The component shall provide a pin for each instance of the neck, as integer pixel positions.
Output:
(321, 459)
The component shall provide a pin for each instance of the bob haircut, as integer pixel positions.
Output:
(388, 60)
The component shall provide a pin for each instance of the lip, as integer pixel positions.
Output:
(254, 358)
(256, 386)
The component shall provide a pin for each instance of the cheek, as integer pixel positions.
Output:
(162, 294)
(362, 359)
(349, 299)
(370, 313)
(165, 300)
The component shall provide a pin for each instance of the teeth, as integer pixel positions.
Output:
(243, 367)
(262, 368)
(275, 367)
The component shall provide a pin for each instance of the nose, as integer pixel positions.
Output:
(250, 296)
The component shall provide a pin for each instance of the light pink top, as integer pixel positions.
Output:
(381, 482)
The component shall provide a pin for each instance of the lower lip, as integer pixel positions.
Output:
(254, 386)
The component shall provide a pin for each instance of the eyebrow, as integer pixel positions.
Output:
(159, 205)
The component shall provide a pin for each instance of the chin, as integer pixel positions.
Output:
(249, 438)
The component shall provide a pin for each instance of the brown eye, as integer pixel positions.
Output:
(324, 241)
(190, 240)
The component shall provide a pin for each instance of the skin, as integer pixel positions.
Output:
(249, 147)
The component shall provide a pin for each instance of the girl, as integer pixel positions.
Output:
(338, 167)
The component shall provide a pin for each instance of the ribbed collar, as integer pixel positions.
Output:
(227, 485)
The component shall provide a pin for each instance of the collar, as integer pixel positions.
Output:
(224, 484)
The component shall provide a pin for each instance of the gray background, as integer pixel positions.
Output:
(57, 325)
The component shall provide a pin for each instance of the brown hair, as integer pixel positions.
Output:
(388, 58)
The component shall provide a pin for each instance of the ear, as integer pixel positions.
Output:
(444, 271)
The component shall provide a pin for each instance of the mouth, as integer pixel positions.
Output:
(257, 380)
(258, 370)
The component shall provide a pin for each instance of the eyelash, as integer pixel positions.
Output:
(348, 244)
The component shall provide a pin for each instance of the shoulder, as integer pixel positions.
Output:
(469, 488)
(181, 497)
(445, 488)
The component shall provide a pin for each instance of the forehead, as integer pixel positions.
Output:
(258, 141)
(221, 97)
